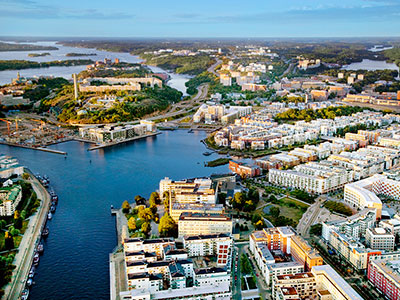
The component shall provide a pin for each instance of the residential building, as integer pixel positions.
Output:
(243, 169)
(380, 239)
(203, 224)
(176, 209)
(304, 284)
(9, 199)
(9, 166)
(385, 276)
(302, 252)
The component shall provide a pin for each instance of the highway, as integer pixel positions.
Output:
(23, 259)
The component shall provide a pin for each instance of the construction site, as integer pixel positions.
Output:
(30, 132)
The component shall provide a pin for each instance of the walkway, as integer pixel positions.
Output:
(23, 259)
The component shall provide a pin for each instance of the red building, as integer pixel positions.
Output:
(385, 276)
(244, 170)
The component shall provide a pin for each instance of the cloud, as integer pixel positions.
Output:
(30, 9)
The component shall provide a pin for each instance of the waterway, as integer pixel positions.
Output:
(82, 232)
(177, 81)
(371, 65)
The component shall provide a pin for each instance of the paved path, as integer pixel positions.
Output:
(24, 257)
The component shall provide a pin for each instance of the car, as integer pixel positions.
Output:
(235, 277)
(257, 275)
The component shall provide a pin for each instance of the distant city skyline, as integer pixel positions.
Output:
(262, 18)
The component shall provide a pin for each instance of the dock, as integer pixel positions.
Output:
(101, 146)
(34, 148)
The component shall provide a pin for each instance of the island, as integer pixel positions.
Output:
(23, 47)
(26, 64)
(38, 54)
(74, 54)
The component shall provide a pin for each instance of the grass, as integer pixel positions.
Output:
(217, 162)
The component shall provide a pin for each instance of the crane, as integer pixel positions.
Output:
(16, 123)
(8, 125)
(42, 123)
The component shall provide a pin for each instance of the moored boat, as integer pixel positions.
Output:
(29, 282)
(49, 216)
(25, 294)
(40, 248)
(32, 272)
(45, 232)
(53, 209)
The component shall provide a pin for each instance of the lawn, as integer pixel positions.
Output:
(289, 208)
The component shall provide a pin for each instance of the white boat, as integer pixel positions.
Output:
(25, 294)
(49, 216)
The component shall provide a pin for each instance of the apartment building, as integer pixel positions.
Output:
(219, 245)
(189, 190)
(312, 177)
(243, 169)
(354, 226)
(9, 166)
(203, 224)
(153, 265)
(176, 209)
(304, 285)
(362, 193)
(9, 199)
(281, 269)
(385, 276)
(380, 239)
(302, 252)
(112, 83)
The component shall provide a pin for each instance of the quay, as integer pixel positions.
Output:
(117, 261)
(34, 148)
(101, 146)
(26, 250)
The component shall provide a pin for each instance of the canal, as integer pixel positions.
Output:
(82, 232)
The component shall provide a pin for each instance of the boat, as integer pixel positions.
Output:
(54, 199)
(49, 216)
(45, 177)
(53, 209)
(40, 248)
(29, 282)
(32, 272)
(36, 261)
(207, 153)
(25, 294)
(44, 182)
(45, 232)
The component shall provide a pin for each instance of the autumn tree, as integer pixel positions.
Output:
(154, 199)
(167, 226)
(132, 224)
(126, 207)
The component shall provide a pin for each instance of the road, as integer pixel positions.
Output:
(211, 69)
(309, 217)
(24, 257)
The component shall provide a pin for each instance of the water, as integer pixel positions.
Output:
(371, 65)
(82, 232)
(177, 81)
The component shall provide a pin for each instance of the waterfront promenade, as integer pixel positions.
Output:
(24, 257)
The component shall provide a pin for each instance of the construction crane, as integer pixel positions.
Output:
(8, 125)
(42, 123)
(16, 123)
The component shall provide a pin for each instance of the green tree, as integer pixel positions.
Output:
(167, 226)
(274, 212)
(25, 176)
(316, 229)
(126, 207)
(132, 224)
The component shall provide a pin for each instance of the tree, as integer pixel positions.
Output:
(140, 200)
(167, 226)
(154, 199)
(316, 229)
(274, 212)
(126, 207)
(25, 176)
(238, 200)
(8, 241)
(3, 224)
(166, 197)
(146, 227)
(132, 223)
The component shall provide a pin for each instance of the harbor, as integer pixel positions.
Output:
(106, 145)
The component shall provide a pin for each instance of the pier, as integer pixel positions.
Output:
(35, 148)
(101, 146)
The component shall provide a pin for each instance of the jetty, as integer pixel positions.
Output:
(106, 145)
(34, 148)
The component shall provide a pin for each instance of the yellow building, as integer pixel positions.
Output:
(190, 224)
(301, 251)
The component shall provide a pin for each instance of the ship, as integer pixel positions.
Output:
(45, 232)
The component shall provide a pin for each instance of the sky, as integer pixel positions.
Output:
(200, 18)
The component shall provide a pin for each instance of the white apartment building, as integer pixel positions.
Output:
(9, 166)
(203, 224)
(9, 199)
(380, 239)
(363, 193)
(312, 177)
(219, 245)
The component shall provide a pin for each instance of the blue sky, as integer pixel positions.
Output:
(204, 18)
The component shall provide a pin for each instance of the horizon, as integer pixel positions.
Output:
(254, 19)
